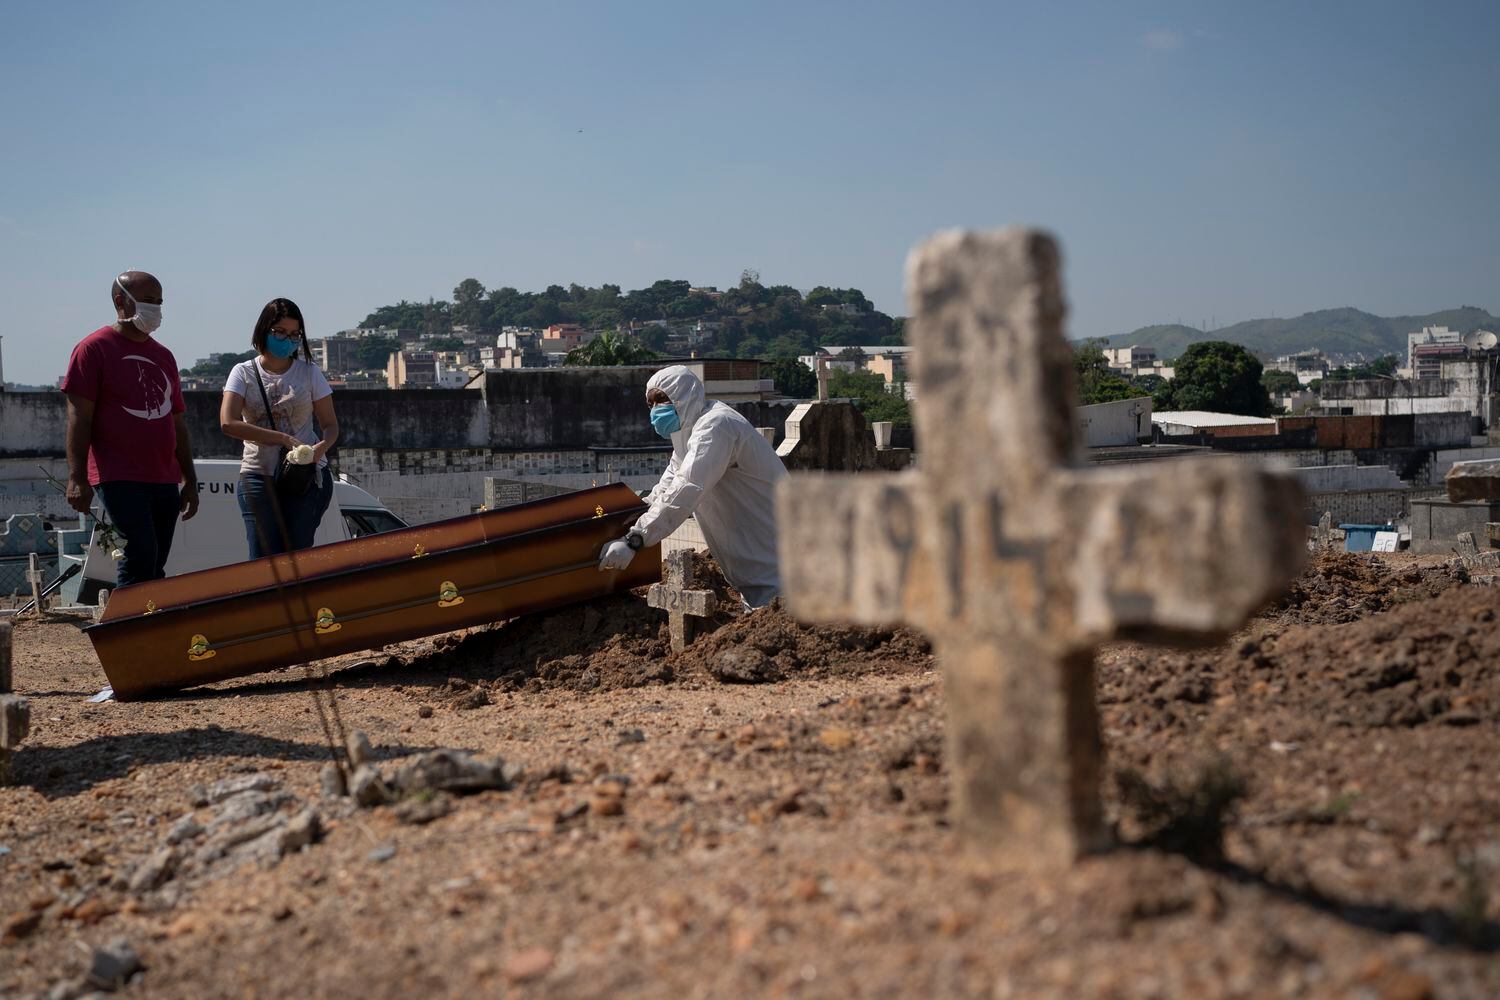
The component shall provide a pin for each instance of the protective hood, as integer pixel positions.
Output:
(685, 390)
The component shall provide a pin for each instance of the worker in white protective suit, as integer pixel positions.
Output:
(724, 472)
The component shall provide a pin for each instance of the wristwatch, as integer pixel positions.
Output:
(635, 540)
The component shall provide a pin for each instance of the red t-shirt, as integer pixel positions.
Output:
(135, 391)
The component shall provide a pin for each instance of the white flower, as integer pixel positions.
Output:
(301, 455)
(118, 553)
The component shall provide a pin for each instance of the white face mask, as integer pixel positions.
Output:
(147, 316)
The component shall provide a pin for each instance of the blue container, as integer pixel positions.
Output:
(1361, 537)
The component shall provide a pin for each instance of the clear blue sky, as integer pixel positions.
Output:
(1229, 160)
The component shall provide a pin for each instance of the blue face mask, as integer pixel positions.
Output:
(282, 348)
(664, 418)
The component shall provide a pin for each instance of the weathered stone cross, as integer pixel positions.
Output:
(675, 596)
(1016, 565)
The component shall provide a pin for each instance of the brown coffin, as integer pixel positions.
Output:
(287, 609)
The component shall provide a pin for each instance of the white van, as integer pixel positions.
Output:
(216, 534)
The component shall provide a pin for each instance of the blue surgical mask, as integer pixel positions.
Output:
(665, 419)
(282, 348)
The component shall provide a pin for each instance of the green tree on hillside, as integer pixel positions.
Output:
(868, 390)
(1279, 383)
(468, 304)
(610, 348)
(1097, 382)
(1217, 376)
(792, 378)
(374, 352)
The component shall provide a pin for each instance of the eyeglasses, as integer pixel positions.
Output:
(287, 334)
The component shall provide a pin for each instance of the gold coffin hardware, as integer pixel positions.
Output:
(419, 551)
(448, 596)
(598, 512)
(327, 622)
(199, 649)
(150, 607)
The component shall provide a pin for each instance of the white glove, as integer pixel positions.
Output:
(615, 556)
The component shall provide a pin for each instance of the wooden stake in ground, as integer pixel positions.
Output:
(15, 714)
(675, 596)
(1015, 564)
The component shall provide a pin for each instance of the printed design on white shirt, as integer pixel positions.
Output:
(156, 401)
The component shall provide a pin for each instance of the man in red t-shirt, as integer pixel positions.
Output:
(126, 434)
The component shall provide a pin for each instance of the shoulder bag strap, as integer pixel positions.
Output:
(263, 397)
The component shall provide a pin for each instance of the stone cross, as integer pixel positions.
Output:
(821, 369)
(1014, 562)
(675, 596)
(15, 714)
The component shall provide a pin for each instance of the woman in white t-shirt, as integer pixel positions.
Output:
(299, 397)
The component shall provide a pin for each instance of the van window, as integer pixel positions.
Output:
(371, 522)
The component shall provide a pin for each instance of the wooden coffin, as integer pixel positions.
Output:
(361, 594)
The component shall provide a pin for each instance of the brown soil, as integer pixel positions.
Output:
(1311, 809)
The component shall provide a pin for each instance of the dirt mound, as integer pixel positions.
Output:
(620, 642)
(1431, 661)
(1339, 587)
(1428, 661)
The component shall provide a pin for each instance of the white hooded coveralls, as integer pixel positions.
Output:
(724, 472)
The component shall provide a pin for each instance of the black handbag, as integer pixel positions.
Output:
(290, 479)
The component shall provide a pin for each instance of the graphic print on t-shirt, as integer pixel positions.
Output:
(156, 398)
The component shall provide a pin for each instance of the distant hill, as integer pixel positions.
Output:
(1335, 331)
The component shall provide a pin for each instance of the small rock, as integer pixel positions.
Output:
(424, 711)
(359, 749)
(368, 787)
(153, 871)
(836, 738)
(524, 966)
(630, 736)
(242, 807)
(1431, 833)
(221, 790)
(300, 831)
(331, 778)
(20, 925)
(421, 809)
(186, 828)
(113, 965)
(382, 854)
(453, 771)
(476, 697)
(743, 665)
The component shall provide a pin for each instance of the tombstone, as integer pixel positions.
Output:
(15, 713)
(1017, 564)
(882, 432)
(769, 433)
(820, 368)
(1323, 538)
(675, 596)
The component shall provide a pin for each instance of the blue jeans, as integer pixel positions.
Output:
(300, 516)
(146, 516)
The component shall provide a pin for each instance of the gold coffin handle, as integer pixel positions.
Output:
(448, 596)
(200, 649)
(327, 622)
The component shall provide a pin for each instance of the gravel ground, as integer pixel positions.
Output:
(1312, 809)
